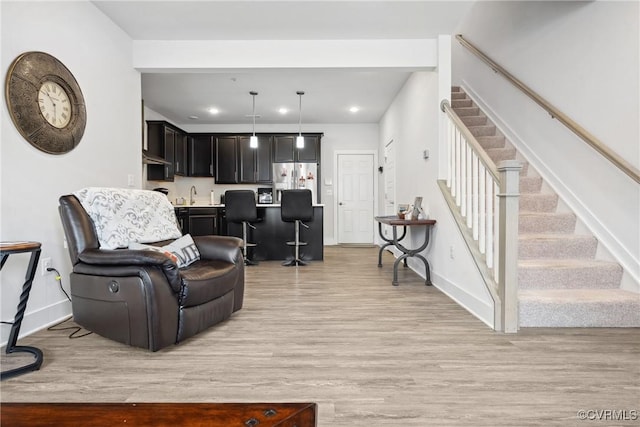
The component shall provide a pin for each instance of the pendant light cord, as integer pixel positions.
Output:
(300, 93)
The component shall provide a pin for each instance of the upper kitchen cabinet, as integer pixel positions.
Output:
(255, 163)
(181, 151)
(226, 159)
(161, 142)
(285, 151)
(201, 155)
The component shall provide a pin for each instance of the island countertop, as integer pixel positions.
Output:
(258, 205)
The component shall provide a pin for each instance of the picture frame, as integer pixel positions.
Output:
(417, 207)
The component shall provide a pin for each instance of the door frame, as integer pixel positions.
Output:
(337, 153)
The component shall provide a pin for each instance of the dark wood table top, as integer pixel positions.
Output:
(18, 246)
(159, 414)
(394, 220)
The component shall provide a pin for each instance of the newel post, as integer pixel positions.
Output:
(508, 201)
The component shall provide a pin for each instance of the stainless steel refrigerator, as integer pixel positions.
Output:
(290, 176)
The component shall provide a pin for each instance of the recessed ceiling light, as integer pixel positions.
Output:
(213, 110)
(194, 117)
(354, 109)
(283, 110)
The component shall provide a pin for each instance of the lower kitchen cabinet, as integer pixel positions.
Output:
(203, 221)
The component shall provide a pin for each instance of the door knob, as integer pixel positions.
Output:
(340, 203)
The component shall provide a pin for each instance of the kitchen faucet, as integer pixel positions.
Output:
(192, 192)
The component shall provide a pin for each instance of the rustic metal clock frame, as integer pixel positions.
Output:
(24, 78)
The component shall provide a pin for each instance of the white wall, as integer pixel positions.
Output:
(412, 122)
(583, 58)
(98, 54)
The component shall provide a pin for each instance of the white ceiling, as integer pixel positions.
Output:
(328, 93)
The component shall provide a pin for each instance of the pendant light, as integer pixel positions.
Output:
(253, 141)
(300, 138)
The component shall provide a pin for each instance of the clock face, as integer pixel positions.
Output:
(54, 104)
(45, 102)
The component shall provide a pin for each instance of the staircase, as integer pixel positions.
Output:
(561, 283)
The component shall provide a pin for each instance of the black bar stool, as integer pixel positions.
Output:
(240, 207)
(296, 206)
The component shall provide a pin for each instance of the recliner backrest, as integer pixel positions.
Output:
(78, 227)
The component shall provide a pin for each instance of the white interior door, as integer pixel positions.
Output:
(355, 198)
(389, 172)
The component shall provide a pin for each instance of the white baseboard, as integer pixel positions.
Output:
(40, 319)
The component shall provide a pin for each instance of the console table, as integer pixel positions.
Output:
(396, 222)
(6, 249)
(160, 414)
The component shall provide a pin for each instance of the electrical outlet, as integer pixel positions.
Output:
(46, 263)
(451, 252)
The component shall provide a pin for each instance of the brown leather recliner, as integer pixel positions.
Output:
(140, 297)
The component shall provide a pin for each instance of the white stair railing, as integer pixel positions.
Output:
(484, 199)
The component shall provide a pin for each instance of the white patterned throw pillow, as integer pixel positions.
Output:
(182, 251)
(124, 215)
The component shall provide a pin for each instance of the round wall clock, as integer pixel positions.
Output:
(45, 102)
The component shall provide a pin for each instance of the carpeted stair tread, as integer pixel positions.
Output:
(546, 222)
(467, 111)
(482, 130)
(538, 202)
(495, 141)
(530, 184)
(550, 246)
(474, 120)
(461, 102)
(579, 308)
(499, 154)
(568, 274)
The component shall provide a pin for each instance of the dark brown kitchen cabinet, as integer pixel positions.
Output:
(203, 221)
(180, 161)
(285, 151)
(201, 155)
(311, 151)
(161, 140)
(255, 163)
(226, 160)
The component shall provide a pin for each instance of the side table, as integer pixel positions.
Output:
(396, 222)
(6, 249)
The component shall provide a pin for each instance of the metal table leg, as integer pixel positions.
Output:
(15, 328)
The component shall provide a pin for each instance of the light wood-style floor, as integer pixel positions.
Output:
(370, 354)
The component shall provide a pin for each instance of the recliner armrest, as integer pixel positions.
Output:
(129, 257)
(223, 248)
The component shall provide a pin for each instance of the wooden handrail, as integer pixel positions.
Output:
(594, 142)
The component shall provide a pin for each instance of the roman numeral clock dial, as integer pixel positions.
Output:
(45, 102)
(54, 104)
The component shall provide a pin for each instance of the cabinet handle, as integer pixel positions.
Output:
(177, 165)
(211, 169)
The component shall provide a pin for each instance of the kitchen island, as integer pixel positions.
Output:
(271, 234)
